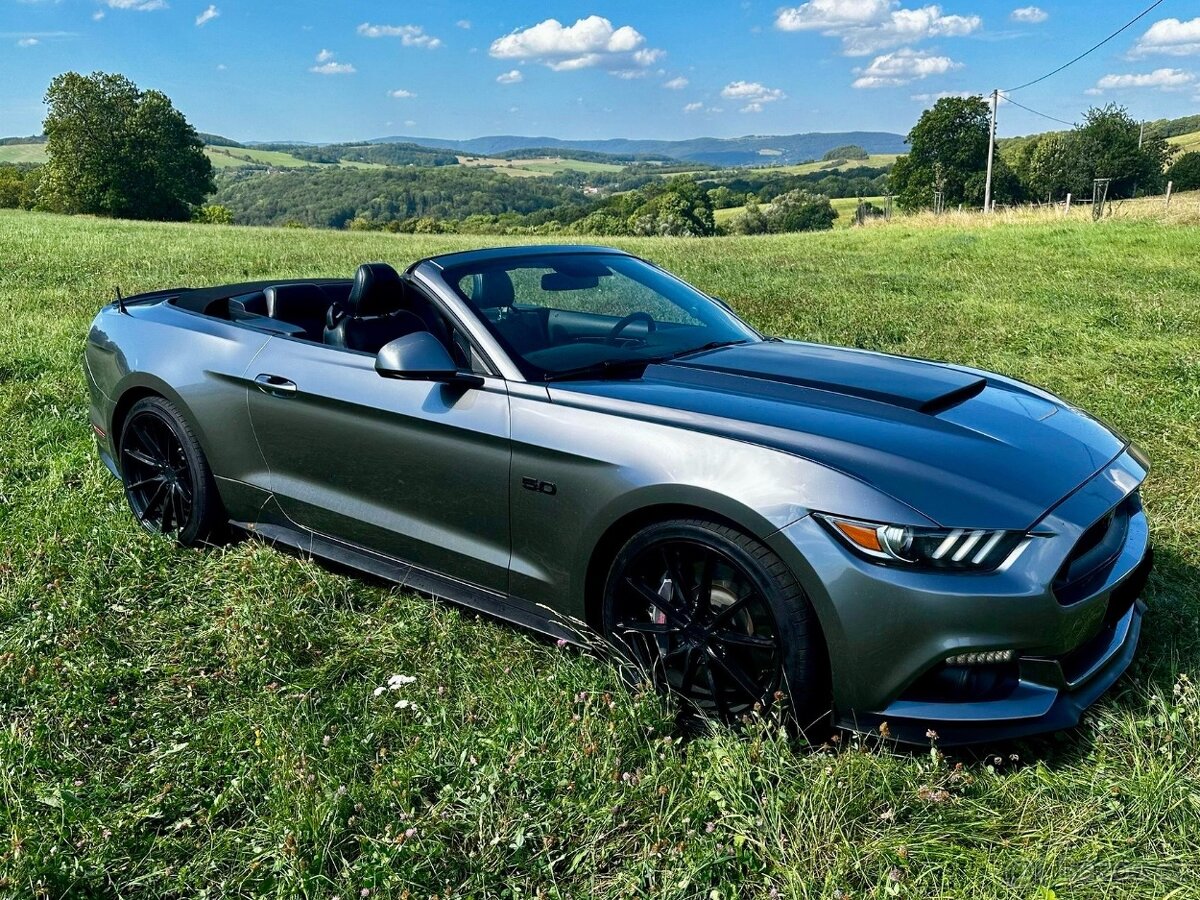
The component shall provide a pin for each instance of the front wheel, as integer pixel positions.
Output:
(713, 615)
(168, 483)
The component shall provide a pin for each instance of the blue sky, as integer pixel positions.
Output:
(324, 71)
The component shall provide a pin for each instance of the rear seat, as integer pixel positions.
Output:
(304, 305)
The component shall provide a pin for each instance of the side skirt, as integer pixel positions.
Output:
(435, 584)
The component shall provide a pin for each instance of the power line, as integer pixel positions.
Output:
(1089, 50)
(1036, 113)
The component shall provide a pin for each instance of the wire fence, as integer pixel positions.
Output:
(1180, 208)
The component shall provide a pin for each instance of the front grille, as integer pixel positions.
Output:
(1094, 553)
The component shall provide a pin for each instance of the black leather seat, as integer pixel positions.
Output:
(524, 329)
(373, 314)
(303, 305)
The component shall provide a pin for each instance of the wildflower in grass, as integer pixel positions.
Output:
(710, 828)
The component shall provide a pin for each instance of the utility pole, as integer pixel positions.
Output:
(987, 193)
(1141, 133)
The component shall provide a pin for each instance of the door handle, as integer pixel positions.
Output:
(276, 385)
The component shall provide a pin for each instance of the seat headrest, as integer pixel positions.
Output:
(295, 301)
(493, 289)
(376, 291)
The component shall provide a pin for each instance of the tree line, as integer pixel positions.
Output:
(949, 152)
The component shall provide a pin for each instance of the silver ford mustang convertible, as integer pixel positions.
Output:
(571, 437)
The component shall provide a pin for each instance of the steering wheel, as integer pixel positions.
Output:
(639, 316)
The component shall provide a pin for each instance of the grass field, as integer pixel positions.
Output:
(22, 153)
(203, 724)
(538, 165)
(237, 157)
(1186, 142)
(875, 160)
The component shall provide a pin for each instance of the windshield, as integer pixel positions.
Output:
(566, 315)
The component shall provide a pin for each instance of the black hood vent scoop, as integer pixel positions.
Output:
(914, 384)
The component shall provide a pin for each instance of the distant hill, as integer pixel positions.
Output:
(751, 150)
(218, 141)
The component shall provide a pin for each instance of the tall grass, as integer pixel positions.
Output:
(207, 724)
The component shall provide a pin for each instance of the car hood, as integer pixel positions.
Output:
(962, 447)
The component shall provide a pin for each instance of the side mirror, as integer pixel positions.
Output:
(417, 357)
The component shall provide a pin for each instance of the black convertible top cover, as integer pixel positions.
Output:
(198, 299)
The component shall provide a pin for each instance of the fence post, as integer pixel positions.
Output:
(1068, 204)
(1170, 184)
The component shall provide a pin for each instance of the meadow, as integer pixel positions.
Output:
(537, 165)
(873, 160)
(208, 723)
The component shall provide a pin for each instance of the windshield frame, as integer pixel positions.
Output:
(451, 274)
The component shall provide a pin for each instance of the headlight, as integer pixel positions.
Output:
(962, 549)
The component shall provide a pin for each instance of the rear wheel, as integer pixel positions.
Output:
(168, 483)
(713, 615)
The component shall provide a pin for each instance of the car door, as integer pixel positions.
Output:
(415, 470)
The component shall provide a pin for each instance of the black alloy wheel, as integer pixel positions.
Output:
(168, 484)
(714, 616)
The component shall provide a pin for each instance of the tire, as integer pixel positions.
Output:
(754, 620)
(168, 484)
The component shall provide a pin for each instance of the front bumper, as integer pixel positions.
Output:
(890, 631)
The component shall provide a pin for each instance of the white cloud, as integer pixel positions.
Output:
(410, 35)
(1170, 36)
(221, 67)
(831, 14)
(512, 77)
(207, 16)
(751, 90)
(410, 122)
(401, 94)
(867, 26)
(677, 83)
(693, 107)
(902, 67)
(753, 94)
(464, 23)
(98, 15)
(28, 42)
(138, 5)
(327, 65)
(1163, 79)
(590, 42)
(1030, 15)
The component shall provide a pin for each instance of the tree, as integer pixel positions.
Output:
(800, 211)
(1185, 172)
(681, 209)
(115, 150)
(949, 153)
(18, 186)
(1059, 166)
(752, 221)
(213, 214)
(1109, 139)
(844, 152)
